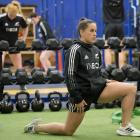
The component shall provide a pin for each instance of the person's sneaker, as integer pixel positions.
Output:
(30, 127)
(129, 130)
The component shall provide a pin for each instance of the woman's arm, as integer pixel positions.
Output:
(71, 65)
(25, 33)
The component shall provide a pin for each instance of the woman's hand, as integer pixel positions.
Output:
(81, 106)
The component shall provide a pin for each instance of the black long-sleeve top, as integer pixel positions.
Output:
(44, 30)
(113, 11)
(82, 69)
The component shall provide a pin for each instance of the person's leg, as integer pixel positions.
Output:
(3, 58)
(109, 32)
(44, 59)
(16, 60)
(120, 34)
(116, 90)
(122, 58)
(108, 57)
(127, 92)
(68, 128)
(52, 58)
(37, 59)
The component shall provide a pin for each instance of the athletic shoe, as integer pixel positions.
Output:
(129, 130)
(30, 127)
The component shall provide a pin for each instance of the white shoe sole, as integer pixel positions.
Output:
(32, 123)
(127, 134)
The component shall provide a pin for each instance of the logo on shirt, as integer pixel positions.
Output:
(17, 24)
(11, 29)
(86, 57)
(97, 56)
(6, 24)
(92, 66)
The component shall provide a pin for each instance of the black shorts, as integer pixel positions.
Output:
(90, 97)
(114, 30)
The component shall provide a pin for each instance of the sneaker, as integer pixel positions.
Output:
(129, 130)
(30, 127)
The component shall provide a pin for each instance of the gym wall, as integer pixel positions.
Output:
(63, 15)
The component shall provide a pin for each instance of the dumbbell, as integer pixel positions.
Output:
(50, 69)
(100, 43)
(37, 45)
(67, 43)
(55, 101)
(22, 101)
(104, 73)
(99, 105)
(6, 106)
(132, 73)
(137, 102)
(109, 69)
(55, 76)
(112, 72)
(114, 43)
(118, 102)
(129, 42)
(53, 44)
(37, 103)
(118, 75)
(38, 76)
(109, 105)
(21, 76)
(20, 45)
(6, 76)
(4, 45)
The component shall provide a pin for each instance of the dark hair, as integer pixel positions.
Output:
(83, 24)
(32, 15)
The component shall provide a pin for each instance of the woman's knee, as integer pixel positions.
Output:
(43, 58)
(132, 89)
(69, 133)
